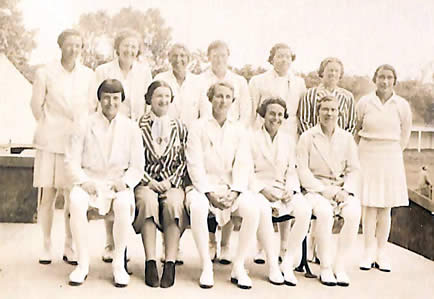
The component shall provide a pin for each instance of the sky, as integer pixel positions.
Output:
(363, 34)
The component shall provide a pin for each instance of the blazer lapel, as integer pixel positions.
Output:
(97, 137)
(324, 151)
(173, 137)
(265, 148)
(145, 128)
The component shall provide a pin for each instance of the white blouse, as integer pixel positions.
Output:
(389, 121)
(135, 85)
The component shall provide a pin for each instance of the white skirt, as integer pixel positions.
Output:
(49, 170)
(384, 184)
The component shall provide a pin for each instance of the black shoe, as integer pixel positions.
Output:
(151, 274)
(168, 278)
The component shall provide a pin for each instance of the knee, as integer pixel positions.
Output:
(146, 198)
(302, 208)
(352, 210)
(323, 209)
(197, 203)
(78, 200)
(248, 206)
(174, 199)
(122, 203)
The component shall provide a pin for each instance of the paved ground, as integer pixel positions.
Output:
(22, 277)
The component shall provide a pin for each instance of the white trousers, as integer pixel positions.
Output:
(198, 206)
(121, 207)
(323, 211)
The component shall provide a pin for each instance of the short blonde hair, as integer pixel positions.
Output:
(211, 90)
(326, 61)
(126, 33)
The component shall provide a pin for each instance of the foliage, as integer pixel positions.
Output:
(99, 25)
(248, 71)
(16, 42)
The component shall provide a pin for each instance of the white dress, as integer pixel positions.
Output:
(385, 131)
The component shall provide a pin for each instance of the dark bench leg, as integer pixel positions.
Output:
(126, 262)
(304, 265)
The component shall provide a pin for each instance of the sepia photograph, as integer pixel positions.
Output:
(216, 149)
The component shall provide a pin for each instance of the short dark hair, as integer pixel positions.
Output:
(262, 109)
(68, 32)
(387, 67)
(326, 61)
(110, 86)
(154, 85)
(211, 90)
(277, 47)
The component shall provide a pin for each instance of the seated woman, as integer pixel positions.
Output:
(105, 161)
(276, 182)
(160, 195)
(219, 163)
(328, 168)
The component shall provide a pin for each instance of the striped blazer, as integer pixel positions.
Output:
(307, 108)
(171, 165)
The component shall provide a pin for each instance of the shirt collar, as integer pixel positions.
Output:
(104, 119)
(62, 69)
(316, 130)
(153, 117)
(322, 87)
(378, 101)
(289, 75)
(213, 121)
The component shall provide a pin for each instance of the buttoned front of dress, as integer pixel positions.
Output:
(60, 97)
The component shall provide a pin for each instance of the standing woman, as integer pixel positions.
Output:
(135, 77)
(331, 70)
(62, 92)
(384, 127)
(160, 195)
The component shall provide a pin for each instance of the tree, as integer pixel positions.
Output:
(248, 71)
(100, 25)
(16, 42)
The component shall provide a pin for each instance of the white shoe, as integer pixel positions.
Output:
(327, 277)
(287, 268)
(259, 257)
(366, 264)
(206, 280)
(45, 257)
(225, 255)
(342, 278)
(240, 278)
(78, 276)
(69, 256)
(212, 250)
(289, 277)
(275, 276)
(120, 277)
(107, 256)
(383, 264)
(179, 257)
